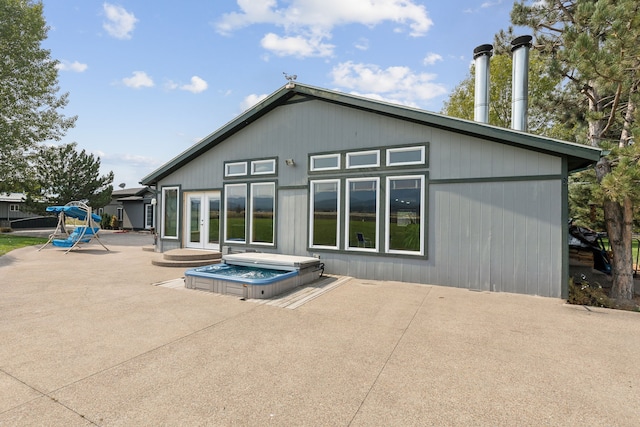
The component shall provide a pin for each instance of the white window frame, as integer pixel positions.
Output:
(227, 166)
(312, 185)
(226, 209)
(254, 163)
(149, 207)
(14, 207)
(388, 214)
(400, 149)
(164, 210)
(363, 153)
(347, 212)
(251, 229)
(324, 156)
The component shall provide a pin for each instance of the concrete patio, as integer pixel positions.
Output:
(87, 339)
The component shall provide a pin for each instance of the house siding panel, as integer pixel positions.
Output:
(454, 156)
(484, 200)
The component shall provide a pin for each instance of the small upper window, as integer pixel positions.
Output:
(405, 156)
(325, 162)
(263, 167)
(363, 159)
(235, 169)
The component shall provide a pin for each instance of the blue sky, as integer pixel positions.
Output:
(148, 79)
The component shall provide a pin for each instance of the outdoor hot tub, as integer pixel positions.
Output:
(255, 275)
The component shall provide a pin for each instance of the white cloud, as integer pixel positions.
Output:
(197, 85)
(138, 80)
(308, 23)
(378, 97)
(171, 85)
(296, 46)
(362, 44)
(488, 4)
(74, 66)
(431, 58)
(120, 23)
(251, 100)
(394, 84)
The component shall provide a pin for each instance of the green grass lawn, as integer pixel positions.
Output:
(9, 242)
(634, 247)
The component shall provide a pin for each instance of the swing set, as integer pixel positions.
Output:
(83, 233)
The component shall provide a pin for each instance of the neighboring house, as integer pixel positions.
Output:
(12, 208)
(377, 191)
(134, 208)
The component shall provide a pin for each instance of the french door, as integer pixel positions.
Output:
(202, 225)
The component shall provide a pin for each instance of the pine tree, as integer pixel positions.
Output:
(62, 174)
(593, 46)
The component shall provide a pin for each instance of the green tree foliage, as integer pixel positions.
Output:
(29, 103)
(593, 46)
(62, 174)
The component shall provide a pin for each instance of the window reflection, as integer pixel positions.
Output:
(325, 214)
(263, 207)
(404, 220)
(363, 213)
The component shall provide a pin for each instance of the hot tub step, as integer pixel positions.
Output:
(184, 264)
(186, 258)
(191, 255)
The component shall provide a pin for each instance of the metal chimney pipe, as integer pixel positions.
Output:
(481, 56)
(520, 76)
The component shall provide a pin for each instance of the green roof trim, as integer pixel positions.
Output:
(578, 156)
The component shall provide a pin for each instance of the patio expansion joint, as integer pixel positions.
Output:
(41, 394)
(50, 395)
(391, 353)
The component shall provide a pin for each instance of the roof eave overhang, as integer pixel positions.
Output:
(578, 156)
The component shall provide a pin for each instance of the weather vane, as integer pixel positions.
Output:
(290, 78)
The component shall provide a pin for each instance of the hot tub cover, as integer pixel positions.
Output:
(280, 261)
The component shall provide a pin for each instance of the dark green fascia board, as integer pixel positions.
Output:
(579, 156)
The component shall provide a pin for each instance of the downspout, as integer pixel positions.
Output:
(481, 56)
(520, 87)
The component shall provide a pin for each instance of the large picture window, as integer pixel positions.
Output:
(170, 210)
(405, 214)
(382, 210)
(324, 214)
(362, 213)
(235, 198)
(263, 213)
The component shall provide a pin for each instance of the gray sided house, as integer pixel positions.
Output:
(12, 209)
(12, 206)
(134, 208)
(377, 191)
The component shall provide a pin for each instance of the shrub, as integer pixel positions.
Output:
(105, 222)
(115, 224)
(584, 293)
